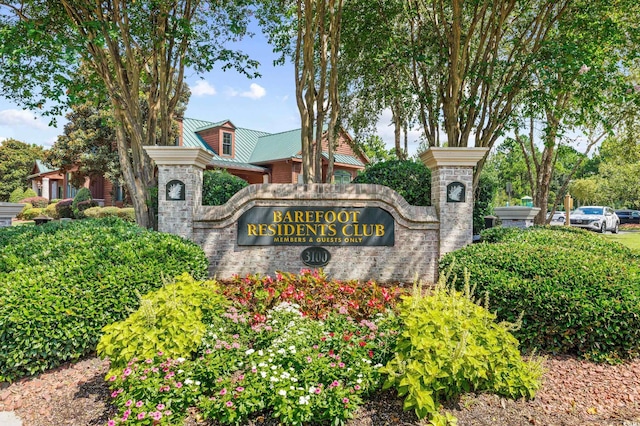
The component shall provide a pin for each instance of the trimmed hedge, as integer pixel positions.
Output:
(577, 292)
(79, 204)
(410, 179)
(64, 209)
(61, 282)
(36, 202)
(218, 186)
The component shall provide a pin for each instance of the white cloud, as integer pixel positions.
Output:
(15, 117)
(385, 130)
(255, 92)
(203, 88)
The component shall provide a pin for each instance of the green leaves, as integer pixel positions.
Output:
(577, 292)
(451, 345)
(60, 283)
(410, 179)
(219, 186)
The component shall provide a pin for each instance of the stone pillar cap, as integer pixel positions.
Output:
(455, 157)
(179, 156)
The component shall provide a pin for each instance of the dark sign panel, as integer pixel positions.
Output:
(316, 226)
(456, 192)
(315, 256)
(175, 191)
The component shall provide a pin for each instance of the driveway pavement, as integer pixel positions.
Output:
(8, 418)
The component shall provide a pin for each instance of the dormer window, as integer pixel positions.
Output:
(226, 144)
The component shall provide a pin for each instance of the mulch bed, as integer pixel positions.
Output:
(574, 392)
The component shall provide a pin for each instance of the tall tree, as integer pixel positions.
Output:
(16, 161)
(308, 33)
(580, 84)
(132, 49)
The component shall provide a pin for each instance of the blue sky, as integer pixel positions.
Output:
(266, 103)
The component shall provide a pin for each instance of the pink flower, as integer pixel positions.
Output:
(141, 415)
(345, 400)
(148, 361)
(334, 384)
(160, 406)
(583, 69)
(178, 385)
(156, 415)
(114, 394)
(341, 364)
(223, 391)
(111, 423)
(139, 404)
(239, 389)
(127, 371)
(317, 391)
(160, 353)
(229, 404)
(357, 387)
(128, 403)
(112, 378)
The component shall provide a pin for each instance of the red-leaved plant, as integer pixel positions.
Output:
(313, 292)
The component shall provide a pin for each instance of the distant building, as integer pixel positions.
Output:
(252, 155)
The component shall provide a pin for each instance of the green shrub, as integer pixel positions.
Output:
(51, 211)
(30, 214)
(63, 207)
(61, 282)
(128, 214)
(410, 179)
(449, 346)
(219, 186)
(577, 291)
(26, 207)
(16, 195)
(169, 320)
(28, 193)
(82, 196)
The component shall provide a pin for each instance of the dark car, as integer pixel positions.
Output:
(628, 216)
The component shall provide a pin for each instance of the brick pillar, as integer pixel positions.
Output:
(452, 193)
(179, 186)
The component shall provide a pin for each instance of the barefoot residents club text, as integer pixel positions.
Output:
(370, 226)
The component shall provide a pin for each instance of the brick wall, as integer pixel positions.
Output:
(414, 254)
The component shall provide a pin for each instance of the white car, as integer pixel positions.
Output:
(595, 218)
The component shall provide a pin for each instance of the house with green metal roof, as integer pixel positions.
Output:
(261, 157)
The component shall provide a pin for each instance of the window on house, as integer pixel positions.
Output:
(226, 143)
(118, 192)
(341, 176)
(71, 190)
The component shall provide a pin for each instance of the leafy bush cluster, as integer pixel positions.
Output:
(219, 186)
(410, 179)
(313, 291)
(16, 195)
(268, 355)
(449, 346)
(64, 209)
(125, 213)
(82, 201)
(60, 283)
(578, 292)
(298, 369)
(169, 320)
(36, 202)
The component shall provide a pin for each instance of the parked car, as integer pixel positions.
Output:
(595, 218)
(558, 218)
(628, 216)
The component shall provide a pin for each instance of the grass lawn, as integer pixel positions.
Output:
(629, 239)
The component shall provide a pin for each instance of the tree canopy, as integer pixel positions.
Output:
(16, 161)
(126, 50)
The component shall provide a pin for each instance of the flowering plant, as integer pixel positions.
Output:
(298, 368)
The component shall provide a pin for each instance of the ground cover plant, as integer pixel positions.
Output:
(61, 282)
(298, 347)
(577, 292)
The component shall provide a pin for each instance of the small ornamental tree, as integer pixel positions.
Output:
(83, 195)
(410, 179)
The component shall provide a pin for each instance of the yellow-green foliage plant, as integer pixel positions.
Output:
(450, 346)
(169, 320)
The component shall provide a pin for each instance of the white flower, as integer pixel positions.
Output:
(304, 400)
(262, 364)
(249, 351)
(282, 392)
(583, 69)
(180, 371)
(263, 374)
(358, 381)
(260, 352)
(274, 379)
(293, 379)
(181, 360)
(281, 351)
(377, 366)
(273, 367)
(312, 389)
(188, 381)
(197, 383)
